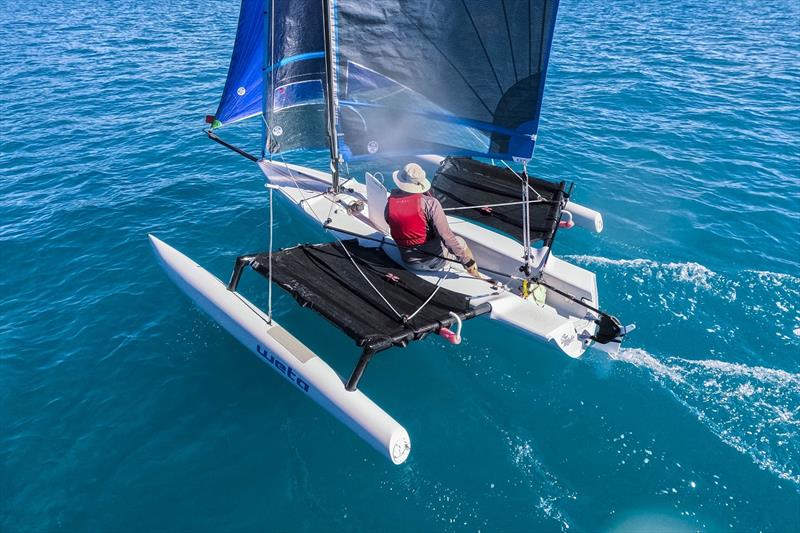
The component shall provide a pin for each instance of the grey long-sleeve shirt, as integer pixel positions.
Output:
(444, 239)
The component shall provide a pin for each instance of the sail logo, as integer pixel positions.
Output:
(283, 368)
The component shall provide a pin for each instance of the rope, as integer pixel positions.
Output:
(526, 221)
(523, 180)
(269, 296)
(438, 286)
(494, 205)
(377, 291)
(271, 103)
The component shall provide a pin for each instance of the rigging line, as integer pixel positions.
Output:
(451, 261)
(378, 292)
(492, 205)
(498, 215)
(571, 297)
(510, 42)
(256, 311)
(305, 199)
(451, 63)
(524, 181)
(526, 220)
(271, 76)
(269, 294)
(541, 37)
(492, 186)
(426, 302)
(267, 146)
(485, 51)
(403, 318)
(503, 193)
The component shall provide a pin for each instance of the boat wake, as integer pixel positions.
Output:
(755, 410)
(750, 407)
(553, 494)
(753, 305)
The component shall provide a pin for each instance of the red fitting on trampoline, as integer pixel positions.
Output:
(450, 336)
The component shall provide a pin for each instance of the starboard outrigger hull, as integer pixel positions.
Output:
(285, 354)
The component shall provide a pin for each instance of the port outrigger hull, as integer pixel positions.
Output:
(284, 353)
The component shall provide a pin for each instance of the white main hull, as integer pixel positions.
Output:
(285, 354)
(559, 322)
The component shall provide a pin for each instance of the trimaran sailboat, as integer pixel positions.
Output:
(449, 84)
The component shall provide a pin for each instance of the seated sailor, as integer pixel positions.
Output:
(419, 226)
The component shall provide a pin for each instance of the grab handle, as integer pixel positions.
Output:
(451, 336)
(568, 223)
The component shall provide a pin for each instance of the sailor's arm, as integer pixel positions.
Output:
(435, 214)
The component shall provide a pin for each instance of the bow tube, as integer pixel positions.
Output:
(585, 217)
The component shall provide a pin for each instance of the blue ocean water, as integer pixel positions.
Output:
(123, 408)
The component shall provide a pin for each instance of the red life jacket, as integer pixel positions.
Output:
(406, 220)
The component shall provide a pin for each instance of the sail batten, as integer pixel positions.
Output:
(292, 59)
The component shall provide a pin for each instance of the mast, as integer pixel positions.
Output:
(330, 92)
(267, 91)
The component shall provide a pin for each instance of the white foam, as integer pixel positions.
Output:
(694, 296)
(688, 272)
(641, 358)
(754, 409)
(552, 492)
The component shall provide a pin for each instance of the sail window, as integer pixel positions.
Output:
(298, 93)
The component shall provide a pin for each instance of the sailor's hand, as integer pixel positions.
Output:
(472, 268)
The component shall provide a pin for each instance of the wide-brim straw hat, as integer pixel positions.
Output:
(411, 179)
